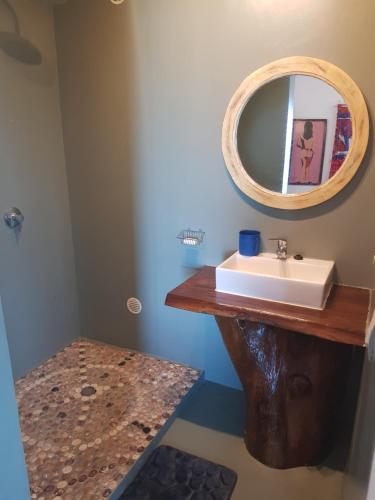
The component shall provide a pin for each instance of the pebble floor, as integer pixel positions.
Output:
(88, 413)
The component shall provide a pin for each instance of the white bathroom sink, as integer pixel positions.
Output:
(306, 282)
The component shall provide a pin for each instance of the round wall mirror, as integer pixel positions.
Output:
(295, 133)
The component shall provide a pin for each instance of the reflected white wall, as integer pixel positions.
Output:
(289, 134)
(315, 99)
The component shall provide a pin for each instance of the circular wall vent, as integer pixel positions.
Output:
(134, 305)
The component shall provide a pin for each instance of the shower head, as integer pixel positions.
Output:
(15, 45)
(19, 48)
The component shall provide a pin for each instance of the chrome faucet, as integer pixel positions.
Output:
(282, 247)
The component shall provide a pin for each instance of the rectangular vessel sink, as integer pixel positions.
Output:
(305, 283)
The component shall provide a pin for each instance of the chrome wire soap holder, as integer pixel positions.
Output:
(191, 238)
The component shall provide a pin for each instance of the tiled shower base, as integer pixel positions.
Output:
(88, 414)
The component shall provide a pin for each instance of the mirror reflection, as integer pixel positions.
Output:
(294, 134)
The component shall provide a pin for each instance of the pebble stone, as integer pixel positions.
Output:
(73, 416)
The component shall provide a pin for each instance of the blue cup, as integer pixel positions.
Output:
(249, 242)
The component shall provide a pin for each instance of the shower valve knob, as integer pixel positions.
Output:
(13, 218)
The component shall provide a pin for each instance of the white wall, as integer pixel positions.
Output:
(315, 99)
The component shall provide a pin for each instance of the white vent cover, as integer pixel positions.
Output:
(134, 305)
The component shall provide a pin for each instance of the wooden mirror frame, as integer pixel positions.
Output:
(352, 96)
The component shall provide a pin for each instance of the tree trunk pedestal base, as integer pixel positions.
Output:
(294, 386)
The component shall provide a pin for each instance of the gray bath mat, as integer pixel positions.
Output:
(171, 474)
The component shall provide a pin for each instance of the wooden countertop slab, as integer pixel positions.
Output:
(343, 320)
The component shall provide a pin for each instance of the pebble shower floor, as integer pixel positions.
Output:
(88, 413)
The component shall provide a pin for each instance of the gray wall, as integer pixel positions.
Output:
(356, 480)
(37, 273)
(262, 134)
(144, 89)
(361, 465)
(96, 60)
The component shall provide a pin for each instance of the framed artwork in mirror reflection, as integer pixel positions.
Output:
(307, 152)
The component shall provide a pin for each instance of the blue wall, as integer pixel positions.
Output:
(14, 482)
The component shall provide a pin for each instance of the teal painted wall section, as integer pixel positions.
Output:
(14, 482)
(144, 88)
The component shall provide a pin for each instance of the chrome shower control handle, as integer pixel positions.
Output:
(13, 218)
(282, 247)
